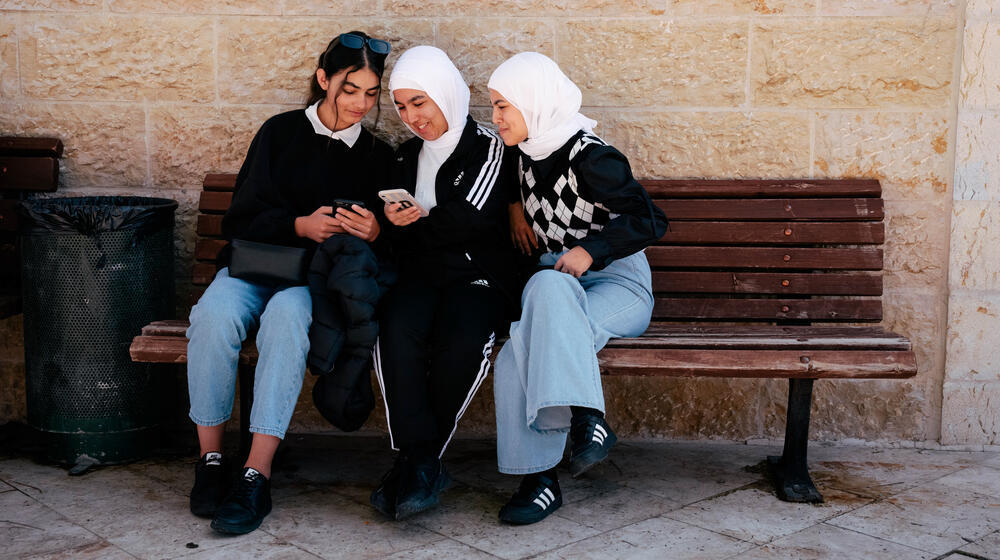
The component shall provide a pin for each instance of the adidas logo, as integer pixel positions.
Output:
(599, 434)
(459, 178)
(544, 499)
(480, 282)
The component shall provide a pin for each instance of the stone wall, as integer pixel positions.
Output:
(150, 96)
(971, 408)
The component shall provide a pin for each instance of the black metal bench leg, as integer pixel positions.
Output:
(246, 403)
(790, 472)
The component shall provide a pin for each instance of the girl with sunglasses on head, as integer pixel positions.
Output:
(297, 165)
(588, 220)
(439, 322)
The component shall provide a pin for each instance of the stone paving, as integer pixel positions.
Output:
(673, 500)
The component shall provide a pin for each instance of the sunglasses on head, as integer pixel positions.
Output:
(353, 41)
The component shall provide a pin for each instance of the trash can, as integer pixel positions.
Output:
(95, 270)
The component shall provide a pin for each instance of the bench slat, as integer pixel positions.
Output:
(778, 233)
(219, 182)
(860, 258)
(208, 249)
(718, 309)
(26, 173)
(203, 273)
(35, 147)
(835, 283)
(764, 210)
(855, 364)
(761, 188)
(217, 202)
(210, 225)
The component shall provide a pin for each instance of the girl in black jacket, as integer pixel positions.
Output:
(298, 164)
(438, 323)
(590, 219)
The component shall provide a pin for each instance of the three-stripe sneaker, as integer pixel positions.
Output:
(591, 438)
(535, 499)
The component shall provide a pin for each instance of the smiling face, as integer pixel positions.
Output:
(421, 113)
(513, 130)
(358, 92)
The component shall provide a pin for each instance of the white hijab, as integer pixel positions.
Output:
(429, 69)
(548, 100)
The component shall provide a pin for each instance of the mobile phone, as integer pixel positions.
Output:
(404, 198)
(346, 204)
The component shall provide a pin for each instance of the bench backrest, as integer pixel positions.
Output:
(763, 251)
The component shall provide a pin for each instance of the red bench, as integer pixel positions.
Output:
(755, 278)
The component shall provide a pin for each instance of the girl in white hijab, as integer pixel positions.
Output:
(590, 220)
(438, 323)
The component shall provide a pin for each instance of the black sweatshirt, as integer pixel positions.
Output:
(290, 171)
(465, 237)
(584, 195)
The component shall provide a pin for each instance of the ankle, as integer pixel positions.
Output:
(551, 474)
(262, 469)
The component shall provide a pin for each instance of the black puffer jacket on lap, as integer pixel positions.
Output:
(346, 284)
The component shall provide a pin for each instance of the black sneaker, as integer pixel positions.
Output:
(537, 497)
(210, 485)
(246, 505)
(592, 438)
(383, 498)
(420, 486)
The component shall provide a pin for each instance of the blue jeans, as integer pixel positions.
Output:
(550, 361)
(229, 309)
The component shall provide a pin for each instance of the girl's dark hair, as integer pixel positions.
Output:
(337, 58)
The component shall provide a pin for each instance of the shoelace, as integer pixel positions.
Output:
(243, 491)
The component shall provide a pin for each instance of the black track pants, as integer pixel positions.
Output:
(432, 355)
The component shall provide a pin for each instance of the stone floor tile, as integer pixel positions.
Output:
(28, 527)
(102, 550)
(446, 548)
(266, 549)
(933, 518)
(618, 508)
(978, 479)
(469, 516)
(332, 526)
(823, 542)
(986, 548)
(992, 459)
(4, 487)
(881, 473)
(655, 538)
(755, 514)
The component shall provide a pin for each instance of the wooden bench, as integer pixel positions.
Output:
(755, 278)
(27, 165)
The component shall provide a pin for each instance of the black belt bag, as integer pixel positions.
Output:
(267, 264)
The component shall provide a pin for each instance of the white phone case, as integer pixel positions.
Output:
(401, 196)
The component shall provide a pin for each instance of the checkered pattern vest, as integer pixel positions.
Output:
(558, 212)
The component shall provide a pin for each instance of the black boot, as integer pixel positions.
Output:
(210, 484)
(246, 505)
(591, 439)
(383, 498)
(424, 478)
(537, 497)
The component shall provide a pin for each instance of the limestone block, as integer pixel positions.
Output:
(522, 8)
(705, 8)
(478, 46)
(9, 79)
(916, 246)
(980, 85)
(890, 62)
(337, 8)
(51, 5)
(977, 160)
(117, 58)
(888, 7)
(388, 127)
(104, 143)
(272, 60)
(186, 142)
(907, 152)
(981, 9)
(973, 336)
(257, 7)
(12, 338)
(13, 397)
(975, 245)
(709, 144)
(877, 409)
(644, 63)
(970, 414)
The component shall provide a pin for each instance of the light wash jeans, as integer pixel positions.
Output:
(550, 361)
(220, 321)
